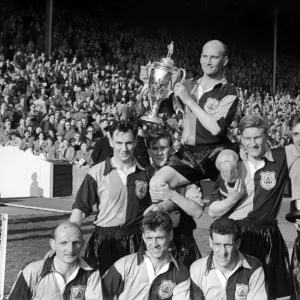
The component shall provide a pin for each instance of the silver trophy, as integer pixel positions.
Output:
(161, 77)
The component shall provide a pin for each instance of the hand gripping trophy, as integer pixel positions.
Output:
(161, 78)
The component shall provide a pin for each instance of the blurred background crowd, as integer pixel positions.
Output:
(60, 106)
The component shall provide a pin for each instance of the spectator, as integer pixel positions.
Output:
(27, 141)
(102, 148)
(40, 144)
(83, 156)
(4, 132)
(50, 149)
(14, 139)
(67, 152)
(70, 132)
(5, 114)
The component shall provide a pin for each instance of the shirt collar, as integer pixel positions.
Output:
(223, 81)
(142, 252)
(109, 167)
(47, 267)
(268, 155)
(242, 262)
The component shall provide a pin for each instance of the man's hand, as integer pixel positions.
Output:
(235, 193)
(297, 224)
(181, 92)
(160, 192)
(155, 207)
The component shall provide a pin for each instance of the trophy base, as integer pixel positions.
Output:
(153, 119)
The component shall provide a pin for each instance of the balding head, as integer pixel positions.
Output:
(65, 226)
(214, 58)
(218, 46)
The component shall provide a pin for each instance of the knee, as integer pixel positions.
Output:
(227, 160)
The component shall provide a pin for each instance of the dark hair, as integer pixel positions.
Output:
(253, 121)
(156, 134)
(122, 126)
(295, 120)
(157, 220)
(224, 226)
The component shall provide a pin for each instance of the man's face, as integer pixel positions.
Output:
(7, 125)
(84, 147)
(66, 143)
(225, 249)
(27, 135)
(254, 141)
(89, 135)
(104, 124)
(212, 60)
(67, 125)
(157, 242)
(83, 120)
(98, 118)
(160, 152)
(52, 119)
(77, 137)
(123, 144)
(296, 136)
(67, 244)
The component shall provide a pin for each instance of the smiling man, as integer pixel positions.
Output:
(65, 276)
(151, 273)
(263, 175)
(227, 273)
(209, 105)
(119, 188)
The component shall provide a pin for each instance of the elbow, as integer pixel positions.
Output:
(198, 213)
(216, 131)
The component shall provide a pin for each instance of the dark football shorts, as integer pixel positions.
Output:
(198, 162)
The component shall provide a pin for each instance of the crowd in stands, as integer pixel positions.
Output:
(59, 106)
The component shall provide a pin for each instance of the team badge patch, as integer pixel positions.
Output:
(241, 291)
(166, 289)
(267, 180)
(77, 292)
(141, 188)
(211, 105)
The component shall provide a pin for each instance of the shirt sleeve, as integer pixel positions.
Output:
(257, 288)
(226, 111)
(196, 291)
(87, 195)
(292, 155)
(21, 289)
(193, 192)
(93, 289)
(113, 281)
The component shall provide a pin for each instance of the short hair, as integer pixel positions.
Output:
(226, 226)
(122, 126)
(225, 48)
(156, 134)
(253, 121)
(69, 224)
(295, 120)
(157, 220)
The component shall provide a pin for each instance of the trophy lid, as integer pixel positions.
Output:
(167, 61)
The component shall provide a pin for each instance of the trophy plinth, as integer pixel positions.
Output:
(162, 77)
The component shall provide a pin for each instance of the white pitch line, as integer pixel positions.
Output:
(37, 208)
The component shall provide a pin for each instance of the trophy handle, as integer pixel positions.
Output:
(183, 75)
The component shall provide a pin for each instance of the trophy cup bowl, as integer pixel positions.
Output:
(162, 79)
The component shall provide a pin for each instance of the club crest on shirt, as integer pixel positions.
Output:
(267, 180)
(241, 291)
(141, 188)
(211, 105)
(77, 292)
(166, 289)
